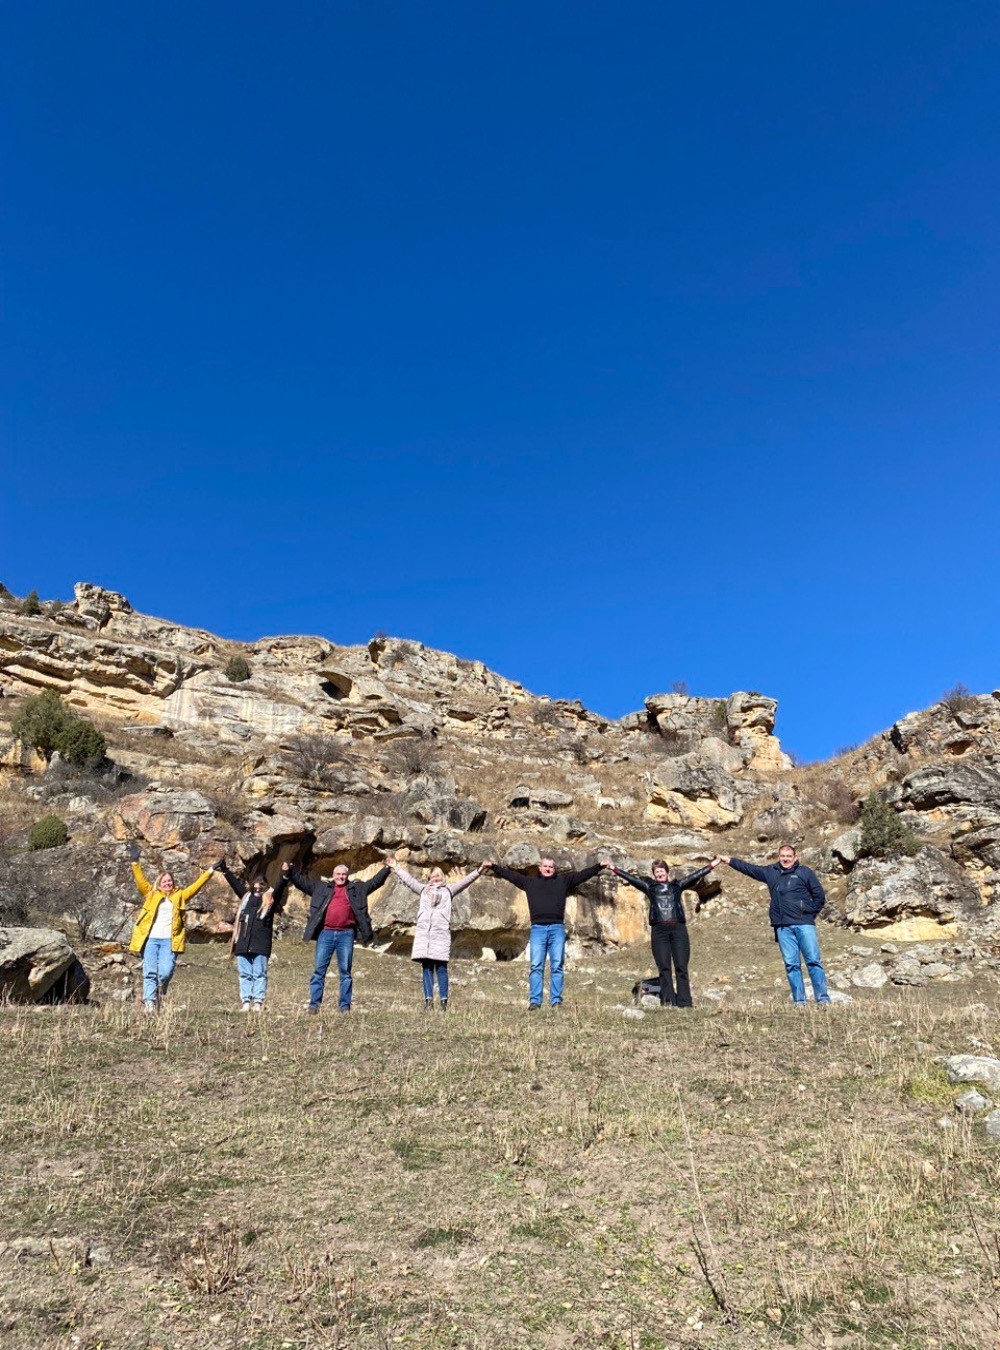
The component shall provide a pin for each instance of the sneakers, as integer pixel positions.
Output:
(444, 1005)
(313, 1008)
(246, 1007)
(533, 1007)
(258, 1007)
(428, 1005)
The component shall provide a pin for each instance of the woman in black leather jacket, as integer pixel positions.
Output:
(668, 927)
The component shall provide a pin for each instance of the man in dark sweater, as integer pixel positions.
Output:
(338, 910)
(546, 895)
(796, 899)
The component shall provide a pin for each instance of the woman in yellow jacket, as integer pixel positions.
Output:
(158, 933)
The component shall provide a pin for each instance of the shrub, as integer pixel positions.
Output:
(883, 833)
(314, 758)
(31, 603)
(49, 832)
(681, 687)
(838, 798)
(958, 698)
(237, 669)
(5, 593)
(44, 722)
(719, 719)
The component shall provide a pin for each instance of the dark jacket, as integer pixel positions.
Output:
(665, 903)
(254, 935)
(357, 893)
(547, 895)
(796, 895)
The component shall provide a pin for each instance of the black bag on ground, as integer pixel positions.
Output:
(647, 986)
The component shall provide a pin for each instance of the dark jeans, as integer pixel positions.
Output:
(671, 944)
(430, 968)
(330, 940)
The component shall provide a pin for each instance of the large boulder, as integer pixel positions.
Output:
(699, 794)
(928, 892)
(31, 961)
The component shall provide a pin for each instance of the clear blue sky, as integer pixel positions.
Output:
(611, 344)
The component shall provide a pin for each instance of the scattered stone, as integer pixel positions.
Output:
(972, 1102)
(992, 1123)
(836, 996)
(633, 1014)
(871, 976)
(974, 1069)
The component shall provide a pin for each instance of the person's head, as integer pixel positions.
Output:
(165, 883)
(547, 867)
(340, 875)
(436, 877)
(786, 856)
(259, 886)
(661, 872)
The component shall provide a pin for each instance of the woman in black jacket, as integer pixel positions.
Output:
(668, 926)
(253, 933)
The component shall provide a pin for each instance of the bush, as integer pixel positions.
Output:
(883, 833)
(31, 603)
(237, 669)
(49, 832)
(44, 722)
(958, 698)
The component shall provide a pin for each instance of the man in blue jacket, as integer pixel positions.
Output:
(796, 899)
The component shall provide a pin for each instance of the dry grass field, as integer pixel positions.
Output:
(741, 1175)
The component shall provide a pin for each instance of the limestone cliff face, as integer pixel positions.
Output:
(331, 753)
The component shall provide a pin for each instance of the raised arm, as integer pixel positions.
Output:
(411, 883)
(142, 882)
(748, 869)
(518, 879)
(578, 878)
(640, 883)
(233, 880)
(465, 881)
(185, 895)
(379, 879)
(686, 883)
(301, 882)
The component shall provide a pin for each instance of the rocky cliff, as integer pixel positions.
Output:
(327, 754)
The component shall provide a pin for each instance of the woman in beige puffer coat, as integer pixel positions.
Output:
(432, 937)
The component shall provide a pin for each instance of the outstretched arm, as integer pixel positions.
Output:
(640, 883)
(686, 883)
(233, 880)
(518, 879)
(748, 869)
(465, 881)
(411, 883)
(578, 878)
(301, 882)
(185, 895)
(379, 879)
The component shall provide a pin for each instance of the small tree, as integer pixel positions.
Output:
(237, 669)
(44, 722)
(31, 603)
(957, 698)
(49, 832)
(883, 833)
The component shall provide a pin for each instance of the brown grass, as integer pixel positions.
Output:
(739, 1176)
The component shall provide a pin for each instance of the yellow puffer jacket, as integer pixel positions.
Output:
(151, 898)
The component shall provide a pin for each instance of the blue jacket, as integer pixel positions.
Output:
(796, 895)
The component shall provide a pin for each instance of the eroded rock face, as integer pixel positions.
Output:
(928, 886)
(31, 961)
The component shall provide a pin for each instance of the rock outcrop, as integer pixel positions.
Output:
(32, 961)
(333, 754)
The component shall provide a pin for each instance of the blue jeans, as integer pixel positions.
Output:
(798, 943)
(429, 970)
(547, 940)
(158, 961)
(253, 978)
(330, 940)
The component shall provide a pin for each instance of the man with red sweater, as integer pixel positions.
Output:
(338, 910)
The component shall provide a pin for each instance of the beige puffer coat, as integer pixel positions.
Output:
(432, 938)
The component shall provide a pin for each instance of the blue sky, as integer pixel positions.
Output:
(611, 345)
